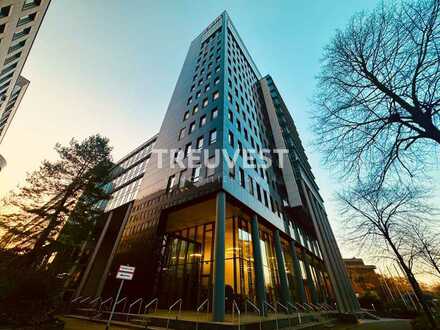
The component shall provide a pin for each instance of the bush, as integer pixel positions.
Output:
(421, 323)
(27, 297)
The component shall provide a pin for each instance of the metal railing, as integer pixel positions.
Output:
(108, 301)
(310, 308)
(278, 304)
(266, 304)
(205, 302)
(292, 306)
(155, 301)
(235, 308)
(76, 299)
(178, 302)
(250, 303)
(94, 301)
(134, 303)
(82, 301)
(125, 300)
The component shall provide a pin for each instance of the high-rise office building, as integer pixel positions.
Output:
(20, 21)
(211, 220)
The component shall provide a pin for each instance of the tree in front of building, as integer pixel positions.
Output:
(67, 188)
(383, 219)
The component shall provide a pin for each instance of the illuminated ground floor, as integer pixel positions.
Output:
(212, 250)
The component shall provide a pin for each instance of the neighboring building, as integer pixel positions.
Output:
(363, 277)
(224, 232)
(20, 21)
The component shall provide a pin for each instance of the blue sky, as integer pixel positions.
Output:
(110, 67)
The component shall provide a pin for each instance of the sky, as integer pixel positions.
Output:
(110, 67)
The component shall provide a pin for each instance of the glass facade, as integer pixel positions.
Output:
(127, 176)
(187, 264)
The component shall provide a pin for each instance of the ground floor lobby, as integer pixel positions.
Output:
(212, 254)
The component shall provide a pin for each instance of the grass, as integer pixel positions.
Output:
(377, 325)
(75, 324)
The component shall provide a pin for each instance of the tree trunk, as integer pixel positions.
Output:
(34, 255)
(414, 284)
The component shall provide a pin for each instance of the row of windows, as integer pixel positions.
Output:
(179, 179)
(262, 195)
(305, 240)
(130, 174)
(124, 195)
(137, 156)
(234, 49)
(199, 145)
(5, 12)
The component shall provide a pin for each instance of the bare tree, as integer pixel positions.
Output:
(428, 243)
(378, 99)
(385, 217)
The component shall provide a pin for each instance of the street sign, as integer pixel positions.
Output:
(125, 272)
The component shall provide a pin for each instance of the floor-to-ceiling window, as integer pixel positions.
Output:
(270, 269)
(187, 264)
(290, 272)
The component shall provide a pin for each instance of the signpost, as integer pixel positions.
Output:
(125, 273)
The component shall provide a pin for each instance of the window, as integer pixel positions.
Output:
(177, 155)
(230, 116)
(171, 183)
(205, 103)
(258, 191)
(199, 144)
(198, 94)
(231, 167)
(241, 177)
(231, 138)
(210, 169)
(195, 174)
(266, 202)
(181, 133)
(212, 136)
(216, 81)
(217, 68)
(192, 88)
(207, 88)
(229, 97)
(189, 100)
(202, 120)
(186, 115)
(240, 148)
(4, 11)
(214, 113)
(246, 136)
(26, 19)
(187, 150)
(195, 109)
(238, 125)
(216, 95)
(192, 127)
(251, 185)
